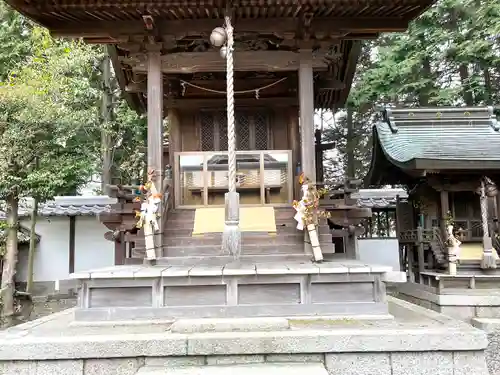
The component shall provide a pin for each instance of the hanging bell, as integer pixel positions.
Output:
(218, 37)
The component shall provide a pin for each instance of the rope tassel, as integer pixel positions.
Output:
(231, 237)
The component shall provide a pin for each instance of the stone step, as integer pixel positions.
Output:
(220, 260)
(286, 368)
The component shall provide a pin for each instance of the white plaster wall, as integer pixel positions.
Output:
(92, 250)
(380, 251)
(52, 253)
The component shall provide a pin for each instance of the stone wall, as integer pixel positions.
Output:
(394, 363)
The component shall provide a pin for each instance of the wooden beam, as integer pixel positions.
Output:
(250, 61)
(239, 102)
(272, 26)
(72, 234)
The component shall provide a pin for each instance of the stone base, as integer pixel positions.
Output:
(416, 342)
(341, 288)
(286, 368)
(460, 303)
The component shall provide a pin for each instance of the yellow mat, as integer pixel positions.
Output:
(473, 251)
(252, 219)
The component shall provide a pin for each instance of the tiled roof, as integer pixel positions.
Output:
(23, 236)
(68, 206)
(463, 134)
(378, 198)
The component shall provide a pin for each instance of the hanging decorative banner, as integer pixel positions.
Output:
(149, 214)
(308, 213)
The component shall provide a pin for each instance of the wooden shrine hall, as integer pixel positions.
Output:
(290, 58)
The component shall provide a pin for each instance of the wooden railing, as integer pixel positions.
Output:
(121, 220)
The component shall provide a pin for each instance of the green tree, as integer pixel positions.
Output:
(14, 39)
(46, 110)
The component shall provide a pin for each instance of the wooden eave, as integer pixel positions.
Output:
(181, 24)
(59, 13)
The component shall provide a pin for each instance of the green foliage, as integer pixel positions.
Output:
(14, 30)
(50, 125)
(45, 109)
(450, 55)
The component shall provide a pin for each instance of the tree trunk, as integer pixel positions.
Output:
(464, 79)
(425, 91)
(351, 169)
(10, 261)
(106, 116)
(31, 254)
(488, 90)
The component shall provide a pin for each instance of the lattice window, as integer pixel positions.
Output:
(252, 132)
(207, 132)
(221, 121)
(261, 132)
(243, 132)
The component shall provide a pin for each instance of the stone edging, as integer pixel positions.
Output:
(451, 335)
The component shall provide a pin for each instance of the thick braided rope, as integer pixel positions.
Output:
(231, 133)
(484, 211)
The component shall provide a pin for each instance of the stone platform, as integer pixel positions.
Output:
(344, 287)
(416, 341)
(465, 296)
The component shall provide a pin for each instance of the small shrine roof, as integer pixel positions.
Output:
(434, 139)
(68, 206)
(23, 236)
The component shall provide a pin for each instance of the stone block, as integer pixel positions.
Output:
(493, 353)
(470, 363)
(225, 325)
(242, 369)
(358, 364)
(488, 311)
(330, 341)
(422, 363)
(124, 346)
(234, 359)
(18, 368)
(59, 367)
(301, 358)
(177, 361)
(489, 325)
(114, 366)
(464, 313)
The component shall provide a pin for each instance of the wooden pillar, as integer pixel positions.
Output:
(155, 126)
(174, 142)
(306, 101)
(294, 145)
(307, 146)
(445, 207)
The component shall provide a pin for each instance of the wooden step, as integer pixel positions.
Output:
(246, 239)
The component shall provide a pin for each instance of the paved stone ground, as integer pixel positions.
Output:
(44, 308)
